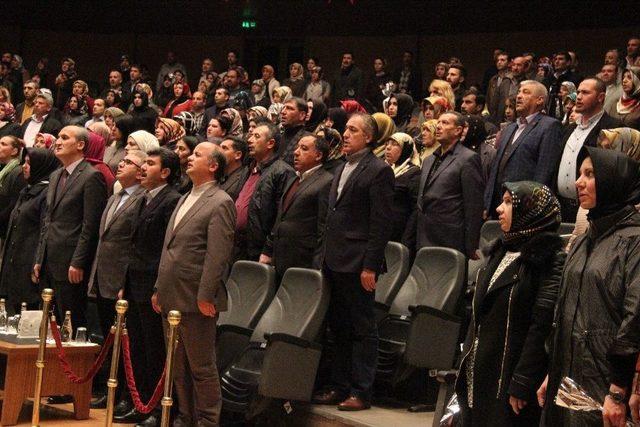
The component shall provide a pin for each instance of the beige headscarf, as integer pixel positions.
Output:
(386, 128)
(625, 140)
(408, 157)
(427, 151)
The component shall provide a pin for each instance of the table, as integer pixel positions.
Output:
(18, 375)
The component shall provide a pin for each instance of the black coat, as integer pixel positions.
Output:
(9, 193)
(50, 125)
(12, 129)
(511, 322)
(233, 183)
(405, 198)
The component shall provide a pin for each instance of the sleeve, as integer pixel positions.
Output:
(549, 154)
(381, 201)
(323, 210)
(44, 224)
(531, 366)
(472, 193)
(95, 199)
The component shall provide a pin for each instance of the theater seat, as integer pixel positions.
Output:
(250, 289)
(488, 233)
(431, 294)
(397, 259)
(282, 357)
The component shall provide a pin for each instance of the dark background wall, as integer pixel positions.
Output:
(96, 33)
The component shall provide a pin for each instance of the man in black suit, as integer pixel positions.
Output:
(296, 238)
(449, 211)
(76, 198)
(158, 174)
(235, 172)
(590, 104)
(356, 234)
(42, 120)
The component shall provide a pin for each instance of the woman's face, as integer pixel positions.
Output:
(7, 151)
(110, 99)
(392, 152)
(315, 76)
(183, 152)
(39, 143)
(378, 65)
(505, 212)
(178, 90)
(73, 103)
(509, 113)
(210, 79)
(116, 135)
(214, 129)
(441, 72)
(427, 138)
(26, 167)
(108, 120)
(328, 122)
(252, 126)
(627, 83)
(256, 89)
(131, 145)
(293, 71)
(568, 107)
(78, 90)
(311, 64)
(178, 76)
(435, 91)
(392, 108)
(586, 185)
(3, 98)
(203, 86)
(563, 91)
(160, 134)
(429, 112)
(137, 100)
(276, 97)
(540, 72)
(309, 111)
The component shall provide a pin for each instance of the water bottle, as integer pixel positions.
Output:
(23, 307)
(3, 317)
(66, 332)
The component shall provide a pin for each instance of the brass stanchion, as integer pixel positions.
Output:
(167, 401)
(121, 309)
(47, 296)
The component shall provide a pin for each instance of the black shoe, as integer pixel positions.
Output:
(58, 400)
(152, 421)
(122, 408)
(132, 417)
(99, 402)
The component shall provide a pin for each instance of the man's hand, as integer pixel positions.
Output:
(264, 259)
(634, 401)
(207, 308)
(542, 391)
(121, 293)
(517, 404)
(35, 275)
(613, 414)
(75, 275)
(155, 304)
(368, 279)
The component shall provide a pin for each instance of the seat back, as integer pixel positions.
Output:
(250, 288)
(397, 259)
(298, 308)
(436, 280)
(488, 233)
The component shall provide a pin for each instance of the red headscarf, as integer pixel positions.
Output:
(352, 106)
(94, 153)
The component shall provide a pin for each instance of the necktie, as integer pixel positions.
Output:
(292, 191)
(62, 182)
(114, 207)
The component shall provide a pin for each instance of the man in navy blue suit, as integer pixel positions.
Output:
(529, 149)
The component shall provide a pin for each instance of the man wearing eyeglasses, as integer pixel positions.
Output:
(109, 270)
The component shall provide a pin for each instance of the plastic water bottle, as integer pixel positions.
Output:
(3, 317)
(66, 332)
(23, 307)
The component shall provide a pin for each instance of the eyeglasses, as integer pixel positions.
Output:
(129, 162)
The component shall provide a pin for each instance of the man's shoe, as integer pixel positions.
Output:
(353, 403)
(58, 400)
(122, 408)
(152, 421)
(132, 417)
(99, 402)
(330, 397)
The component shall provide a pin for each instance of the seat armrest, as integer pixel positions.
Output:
(430, 311)
(293, 340)
(234, 329)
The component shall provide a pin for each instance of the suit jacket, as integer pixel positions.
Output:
(358, 222)
(534, 156)
(149, 229)
(114, 251)
(70, 232)
(449, 211)
(296, 239)
(233, 183)
(50, 125)
(196, 253)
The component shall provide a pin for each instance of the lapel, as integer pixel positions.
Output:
(148, 210)
(362, 165)
(445, 163)
(132, 199)
(204, 198)
(426, 167)
(505, 138)
(524, 133)
(105, 213)
(70, 180)
(333, 194)
(304, 185)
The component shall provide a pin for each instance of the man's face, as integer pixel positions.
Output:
(6, 57)
(469, 105)
(347, 60)
(446, 130)
(4, 69)
(527, 101)
(134, 73)
(207, 65)
(454, 78)
(306, 156)
(29, 90)
(128, 170)
(608, 74)
(171, 58)
(125, 64)
(66, 65)
(267, 73)
(232, 58)
(406, 58)
(611, 57)
(355, 138)
(115, 79)
(633, 47)
(220, 97)
(232, 79)
(230, 154)
(198, 101)
(259, 143)
(199, 163)
(151, 173)
(502, 62)
(290, 115)
(67, 146)
(561, 63)
(41, 107)
(518, 66)
(588, 99)
(98, 107)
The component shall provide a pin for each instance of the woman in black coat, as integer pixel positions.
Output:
(11, 180)
(24, 231)
(515, 295)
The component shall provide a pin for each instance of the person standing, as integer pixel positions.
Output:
(356, 234)
(195, 257)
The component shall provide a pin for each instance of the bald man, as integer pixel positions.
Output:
(196, 253)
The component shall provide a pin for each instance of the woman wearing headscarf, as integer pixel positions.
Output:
(236, 121)
(259, 95)
(115, 151)
(169, 132)
(110, 116)
(8, 126)
(218, 127)
(400, 109)
(335, 157)
(597, 338)
(474, 138)
(336, 119)
(296, 80)
(317, 87)
(101, 129)
(181, 100)
(557, 105)
(76, 111)
(504, 352)
(280, 95)
(427, 143)
(433, 107)
(112, 98)
(80, 90)
(143, 141)
(316, 114)
(628, 106)
(44, 140)
(385, 128)
(24, 228)
(184, 149)
(257, 111)
(11, 179)
(143, 114)
(352, 106)
(186, 119)
(400, 153)
(94, 154)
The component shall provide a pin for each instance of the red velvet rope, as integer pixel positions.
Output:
(62, 358)
(131, 381)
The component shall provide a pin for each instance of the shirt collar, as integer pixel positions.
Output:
(357, 156)
(306, 174)
(593, 120)
(197, 191)
(132, 189)
(153, 193)
(73, 166)
(35, 118)
(529, 118)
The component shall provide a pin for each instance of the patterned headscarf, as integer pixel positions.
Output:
(625, 140)
(408, 156)
(172, 130)
(334, 139)
(236, 121)
(257, 111)
(535, 209)
(9, 111)
(186, 119)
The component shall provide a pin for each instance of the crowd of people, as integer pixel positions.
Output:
(149, 190)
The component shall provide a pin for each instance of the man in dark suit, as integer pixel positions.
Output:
(195, 257)
(529, 149)
(356, 234)
(562, 66)
(296, 238)
(42, 120)
(593, 118)
(449, 211)
(235, 152)
(75, 201)
(158, 174)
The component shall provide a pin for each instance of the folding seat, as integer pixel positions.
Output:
(397, 259)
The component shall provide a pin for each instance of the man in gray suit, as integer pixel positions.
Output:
(195, 256)
(449, 211)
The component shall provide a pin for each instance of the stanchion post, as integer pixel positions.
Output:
(167, 401)
(47, 296)
(121, 309)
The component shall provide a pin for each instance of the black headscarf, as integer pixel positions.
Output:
(318, 114)
(339, 118)
(145, 101)
(242, 101)
(42, 162)
(534, 209)
(617, 180)
(405, 108)
(476, 133)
